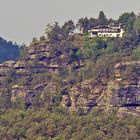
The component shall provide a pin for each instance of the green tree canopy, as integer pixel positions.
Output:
(102, 18)
(84, 23)
(127, 19)
(68, 28)
(137, 25)
(8, 50)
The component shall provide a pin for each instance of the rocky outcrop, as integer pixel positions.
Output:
(20, 65)
(66, 101)
(121, 92)
(127, 77)
(37, 74)
(26, 79)
(4, 71)
(18, 92)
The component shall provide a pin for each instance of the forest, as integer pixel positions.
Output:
(8, 50)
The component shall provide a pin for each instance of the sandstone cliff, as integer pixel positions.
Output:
(37, 75)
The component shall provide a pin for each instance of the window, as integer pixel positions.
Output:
(118, 35)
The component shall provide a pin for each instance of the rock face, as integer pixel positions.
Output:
(37, 74)
(66, 101)
(121, 92)
(128, 93)
(41, 53)
(18, 92)
(31, 74)
(4, 72)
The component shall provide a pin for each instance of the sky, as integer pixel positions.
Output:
(21, 20)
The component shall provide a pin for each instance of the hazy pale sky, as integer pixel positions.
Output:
(21, 20)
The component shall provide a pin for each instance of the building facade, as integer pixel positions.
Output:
(106, 31)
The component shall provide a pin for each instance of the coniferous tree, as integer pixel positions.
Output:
(93, 22)
(68, 28)
(54, 32)
(84, 24)
(127, 20)
(102, 19)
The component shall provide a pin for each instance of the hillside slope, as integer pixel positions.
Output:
(72, 87)
(49, 90)
(57, 71)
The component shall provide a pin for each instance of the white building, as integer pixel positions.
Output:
(106, 31)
